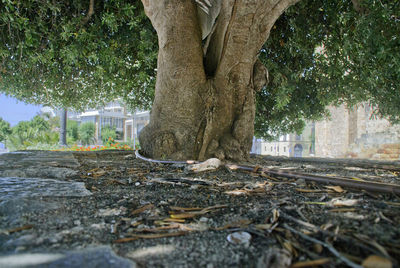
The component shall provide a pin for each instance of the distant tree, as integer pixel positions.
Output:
(86, 133)
(40, 124)
(5, 129)
(28, 134)
(72, 131)
(53, 121)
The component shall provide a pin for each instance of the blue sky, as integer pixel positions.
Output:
(14, 111)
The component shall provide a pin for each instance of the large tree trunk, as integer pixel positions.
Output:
(204, 103)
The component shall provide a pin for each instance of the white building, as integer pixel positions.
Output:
(134, 124)
(112, 115)
(290, 145)
(127, 125)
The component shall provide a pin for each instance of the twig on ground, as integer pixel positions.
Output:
(314, 228)
(326, 245)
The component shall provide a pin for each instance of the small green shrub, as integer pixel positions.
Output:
(86, 133)
(72, 131)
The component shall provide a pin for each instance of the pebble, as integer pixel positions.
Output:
(239, 238)
(77, 230)
(137, 183)
(24, 240)
(109, 212)
(203, 219)
(301, 182)
(98, 226)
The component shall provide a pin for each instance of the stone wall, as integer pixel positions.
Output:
(332, 135)
(356, 133)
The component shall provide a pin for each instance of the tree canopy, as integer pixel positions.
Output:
(327, 52)
(78, 54)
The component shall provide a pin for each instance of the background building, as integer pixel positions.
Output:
(134, 124)
(357, 133)
(354, 133)
(292, 145)
(115, 115)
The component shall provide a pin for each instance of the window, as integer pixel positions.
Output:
(284, 149)
(119, 123)
(88, 119)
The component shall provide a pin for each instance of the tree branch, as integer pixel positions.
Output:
(242, 29)
(179, 39)
(89, 14)
(358, 7)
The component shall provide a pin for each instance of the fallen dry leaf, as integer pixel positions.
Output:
(396, 204)
(186, 215)
(266, 227)
(161, 235)
(342, 210)
(302, 190)
(96, 172)
(185, 209)
(354, 216)
(195, 212)
(311, 263)
(289, 247)
(339, 202)
(142, 209)
(237, 192)
(337, 189)
(238, 224)
(18, 229)
(318, 248)
(125, 240)
(172, 220)
(275, 215)
(210, 164)
(157, 229)
(263, 226)
(374, 261)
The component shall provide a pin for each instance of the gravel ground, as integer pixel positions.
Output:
(163, 216)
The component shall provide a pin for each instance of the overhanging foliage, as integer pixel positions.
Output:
(55, 53)
(61, 54)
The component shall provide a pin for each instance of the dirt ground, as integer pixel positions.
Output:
(161, 215)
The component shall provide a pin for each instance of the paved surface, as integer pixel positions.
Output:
(37, 182)
(102, 256)
(11, 188)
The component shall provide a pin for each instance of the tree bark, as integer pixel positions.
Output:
(204, 103)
